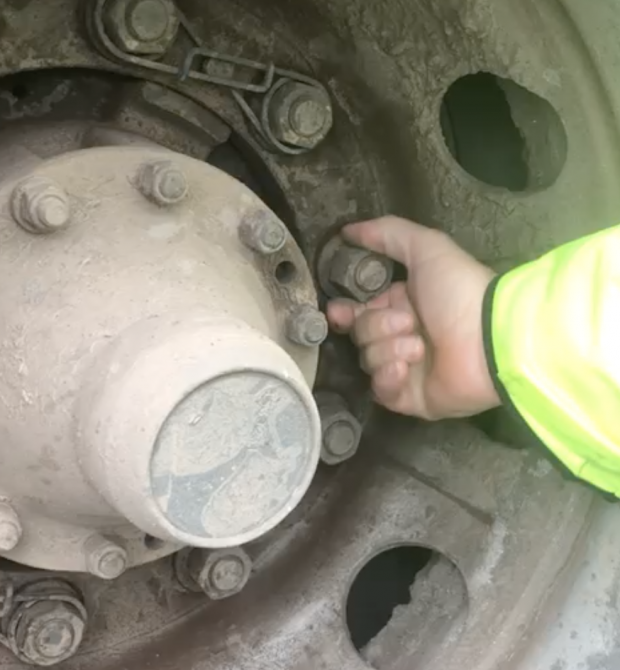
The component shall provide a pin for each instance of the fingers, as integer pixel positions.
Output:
(389, 235)
(378, 355)
(373, 325)
(343, 314)
(389, 381)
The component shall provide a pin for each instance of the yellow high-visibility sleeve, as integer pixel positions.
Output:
(552, 333)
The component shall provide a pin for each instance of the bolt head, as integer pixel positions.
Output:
(10, 535)
(40, 205)
(358, 273)
(371, 274)
(105, 559)
(307, 326)
(342, 431)
(10, 528)
(227, 574)
(300, 115)
(49, 632)
(145, 27)
(221, 573)
(263, 232)
(163, 183)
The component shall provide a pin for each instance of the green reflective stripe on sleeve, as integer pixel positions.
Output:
(556, 344)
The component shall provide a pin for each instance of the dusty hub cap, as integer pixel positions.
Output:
(153, 384)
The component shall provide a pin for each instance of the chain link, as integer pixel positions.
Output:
(245, 70)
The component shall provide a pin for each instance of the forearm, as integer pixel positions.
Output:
(551, 330)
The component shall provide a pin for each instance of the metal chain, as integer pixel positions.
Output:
(271, 76)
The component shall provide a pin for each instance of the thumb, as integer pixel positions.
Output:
(401, 240)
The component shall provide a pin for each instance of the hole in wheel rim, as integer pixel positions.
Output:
(407, 598)
(503, 134)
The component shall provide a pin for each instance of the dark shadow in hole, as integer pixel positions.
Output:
(285, 272)
(381, 585)
(481, 134)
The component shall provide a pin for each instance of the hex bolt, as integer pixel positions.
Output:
(163, 183)
(262, 231)
(358, 273)
(40, 205)
(220, 573)
(104, 558)
(10, 528)
(342, 431)
(300, 115)
(307, 326)
(145, 27)
(371, 274)
(48, 632)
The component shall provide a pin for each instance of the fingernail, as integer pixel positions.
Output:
(399, 322)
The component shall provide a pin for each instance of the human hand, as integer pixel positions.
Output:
(421, 340)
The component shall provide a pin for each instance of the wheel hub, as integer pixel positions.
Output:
(152, 386)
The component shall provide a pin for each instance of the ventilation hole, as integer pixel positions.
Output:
(503, 134)
(407, 598)
(153, 543)
(285, 272)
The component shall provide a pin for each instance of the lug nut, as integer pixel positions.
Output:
(220, 573)
(47, 624)
(358, 273)
(104, 559)
(49, 632)
(307, 326)
(163, 183)
(40, 205)
(10, 528)
(300, 114)
(262, 231)
(145, 27)
(342, 432)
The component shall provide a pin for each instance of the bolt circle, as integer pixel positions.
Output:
(163, 183)
(40, 206)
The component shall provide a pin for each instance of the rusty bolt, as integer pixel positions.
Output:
(146, 27)
(220, 573)
(48, 632)
(306, 326)
(163, 183)
(300, 114)
(342, 432)
(358, 273)
(262, 231)
(104, 559)
(10, 528)
(40, 205)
